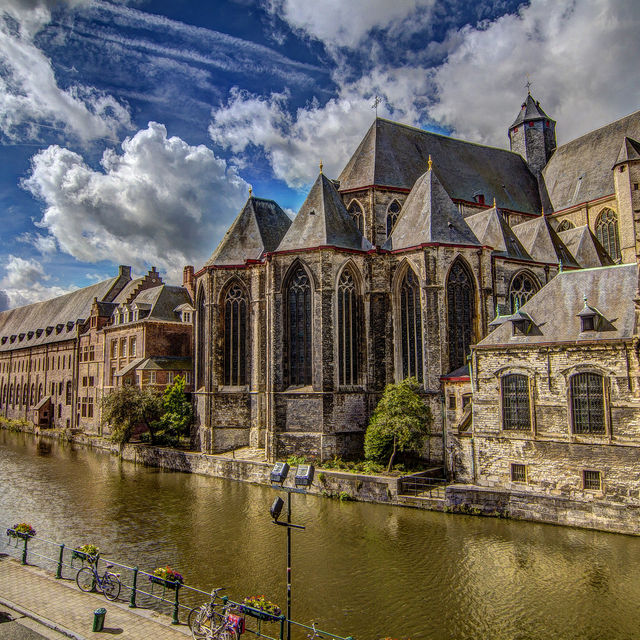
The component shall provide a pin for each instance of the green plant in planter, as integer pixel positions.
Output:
(88, 552)
(263, 609)
(166, 574)
(21, 530)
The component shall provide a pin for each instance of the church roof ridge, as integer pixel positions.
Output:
(629, 150)
(587, 134)
(530, 110)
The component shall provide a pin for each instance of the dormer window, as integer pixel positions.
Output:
(590, 318)
(479, 198)
(521, 323)
(186, 316)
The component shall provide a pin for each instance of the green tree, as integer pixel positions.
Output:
(178, 413)
(400, 423)
(128, 406)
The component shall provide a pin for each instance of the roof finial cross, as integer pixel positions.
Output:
(429, 163)
(376, 102)
(321, 165)
(528, 85)
(250, 191)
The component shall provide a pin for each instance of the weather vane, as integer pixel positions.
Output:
(375, 104)
(528, 85)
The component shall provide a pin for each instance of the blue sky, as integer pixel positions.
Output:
(131, 131)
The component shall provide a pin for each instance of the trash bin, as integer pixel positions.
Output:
(98, 619)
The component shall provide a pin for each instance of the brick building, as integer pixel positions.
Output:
(395, 269)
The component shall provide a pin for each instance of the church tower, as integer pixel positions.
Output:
(533, 135)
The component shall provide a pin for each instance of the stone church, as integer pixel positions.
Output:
(395, 269)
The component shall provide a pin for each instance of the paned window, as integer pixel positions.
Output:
(587, 401)
(515, 402)
(565, 225)
(114, 348)
(411, 326)
(132, 347)
(18, 398)
(299, 329)
(518, 472)
(152, 377)
(68, 393)
(348, 329)
(235, 337)
(355, 210)
(89, 407)
(460, 314)
(123, 348)
(522, 287)
(200, 329)
(25, 394)
(392, 216)
(607, 233)
(591, 480)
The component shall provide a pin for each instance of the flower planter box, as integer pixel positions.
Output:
(168, 584)
(258, 614)
(18, 534)
(84, 557)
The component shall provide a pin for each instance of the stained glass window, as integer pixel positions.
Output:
(235, 336)
(607, 233)
(411, 326)
(348, 330)
(522, 287)
(299, 330)
(392, 216)
(355, 210)
(200, 335)
(460, 314)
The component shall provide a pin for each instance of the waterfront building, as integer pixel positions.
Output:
(59, 357)
(395, 269)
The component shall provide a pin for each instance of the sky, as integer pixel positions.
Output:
(132, 130)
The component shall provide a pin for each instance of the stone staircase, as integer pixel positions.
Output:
(426, 489)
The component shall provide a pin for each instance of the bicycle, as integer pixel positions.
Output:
(109, 583)
(208, 624)
(315, 634)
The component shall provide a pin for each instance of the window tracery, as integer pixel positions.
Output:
(522, 287)
(235, 336)
(607, 233)
(393, 212)
(357, 215)
(460, 314)
(348, 330)
(299, 328)
(411, 326)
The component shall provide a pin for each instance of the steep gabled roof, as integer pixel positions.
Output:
(395, 155)
(530, 110)
(585, 247)
(556, 307)
(630, 150)
(429, 216)
(542, 243)
(323, 221)
(492, 230)
(580, 171)
(257, 229)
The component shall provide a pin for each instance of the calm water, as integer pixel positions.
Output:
(359, 569)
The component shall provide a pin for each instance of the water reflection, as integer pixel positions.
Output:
(366, 570)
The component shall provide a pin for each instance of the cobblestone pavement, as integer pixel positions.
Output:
(37, 594)
(16, 626)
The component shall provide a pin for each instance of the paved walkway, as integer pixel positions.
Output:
(60, 605)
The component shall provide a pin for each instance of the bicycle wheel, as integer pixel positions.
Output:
(199, 622)
(111, 586)
(224, 633)
(85, 579)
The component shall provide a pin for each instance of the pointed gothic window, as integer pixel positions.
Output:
(565, 225)
(348, 330)
(607, 233)
(392, 216)
(460, 314)
(200, 338)
(18, 397)
(299, 328)
(587, 403)
(235, 336)
(356, 213)
(522, 287)
(411, 326)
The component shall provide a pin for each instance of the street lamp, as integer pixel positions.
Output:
(304, 479)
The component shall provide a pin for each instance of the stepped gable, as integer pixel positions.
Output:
(54, 320)
(492, 230)
(258, 229)
(585, 247)
(555, 309)
(133, 288)
(323, 221)
(530, 110)
(429, 216)
(580, 170)
(629, 151)
(395, 155)
(542, 243)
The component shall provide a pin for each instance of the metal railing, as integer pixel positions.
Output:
(420, 486)
(182, 597)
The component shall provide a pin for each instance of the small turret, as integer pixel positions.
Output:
(533, 135)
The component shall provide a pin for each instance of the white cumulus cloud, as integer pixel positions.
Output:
(160, 202)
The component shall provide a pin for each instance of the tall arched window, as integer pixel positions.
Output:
(515, 402)
(25, 395)
(348, 330)
(355, 210)
(40, 392)
(392, 216)
(522, 287)
(587, 403)
(200, 337)
(411, 326)
(235, 336)
(299, 328)
(565, 225)
(11, 394)
(33, 393)
(460, 314)
(607, 233)
(18, 396)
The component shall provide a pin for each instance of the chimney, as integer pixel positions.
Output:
(124, 271)
(187, 280)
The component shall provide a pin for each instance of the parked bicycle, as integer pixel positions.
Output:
(89, 579)
(206, 623)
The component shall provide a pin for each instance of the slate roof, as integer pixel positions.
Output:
(165, 363)
(555, 308)
(630, 150)
(395, 155)
(580, 170)
(429, 216)
(492, 230)
(59, 314)
(542, 243)
(257, 229)
(161, 302)
(530, 110)
(585, 247)
(323, 221)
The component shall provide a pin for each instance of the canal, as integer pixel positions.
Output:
(358, 569)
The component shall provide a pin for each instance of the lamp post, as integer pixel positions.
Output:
(303, 479)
